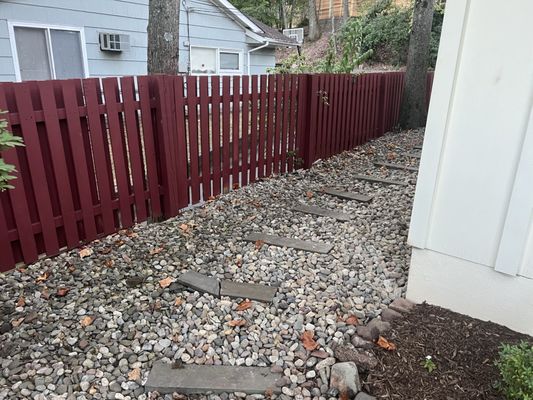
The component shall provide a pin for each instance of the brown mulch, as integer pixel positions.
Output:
(463, 348)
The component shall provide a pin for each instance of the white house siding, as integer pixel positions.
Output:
(209, 27)
(118, 16)
(472, 222)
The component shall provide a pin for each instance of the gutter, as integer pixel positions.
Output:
(266, 44)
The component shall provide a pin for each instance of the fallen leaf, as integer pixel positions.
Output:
(166, 282)
(86, 252)
(43, 277)
(259, 244)
(344, 395)
(131, 234)
(156, 250)
(391, 156)
(134, 374)
(119, 242)
(109, 263)
(244, 305)
(268, 393)
(309, 194)
(92, 390)
(71, 268)
(178, 302)
(237, 322)
(307, 340)
(156, 305)
(45, 294)
(17, 322)
(235, 186)
(86, 321)
(385, 344)
(62, 292)
(211, 198)
(21, 302)
(352, 320)
(185, 228)
(106, 250)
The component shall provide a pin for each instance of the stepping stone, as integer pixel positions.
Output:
(379, 180)
(322, 212)
(191, 379)
(200, 282)
(314, 247)
(248, 291)
(348, 195)
(395, 166)
(412, 155)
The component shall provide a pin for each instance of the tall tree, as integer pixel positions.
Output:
(314, 29)
(163, 36)
(345, 10)
(413, 111)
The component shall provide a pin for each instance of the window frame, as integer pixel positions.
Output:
(11, 25)
(219, 50)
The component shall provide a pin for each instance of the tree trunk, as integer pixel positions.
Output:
(314, 29)
(413, 111)
(345, 10)
(163, 37)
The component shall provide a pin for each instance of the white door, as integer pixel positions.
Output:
(515, 255)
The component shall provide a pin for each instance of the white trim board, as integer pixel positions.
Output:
(11, 24)
(471, 289)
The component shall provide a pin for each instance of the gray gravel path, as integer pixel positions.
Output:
(101, 338)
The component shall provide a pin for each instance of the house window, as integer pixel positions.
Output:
(229, 61)
(206, 60)
(203, 60)
(48, 53)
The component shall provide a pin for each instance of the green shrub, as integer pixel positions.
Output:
(516, 369)
(7, 140)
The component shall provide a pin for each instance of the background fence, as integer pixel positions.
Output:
(101, 155)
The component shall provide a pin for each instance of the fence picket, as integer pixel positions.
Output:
(226, 166)
(117, 148)
(236, 130)
(194, 154)
(253, 129)
(245, 125)
(262, 127)
(150, 147)
(204, 130)
(270, 123)
(215, 114)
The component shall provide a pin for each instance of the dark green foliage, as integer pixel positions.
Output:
(263, 10)
(386, 30)
(516, 369)
(7, 140)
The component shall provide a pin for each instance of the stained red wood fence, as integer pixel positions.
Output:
(102, 155)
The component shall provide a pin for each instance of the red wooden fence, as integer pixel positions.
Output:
(102, 155)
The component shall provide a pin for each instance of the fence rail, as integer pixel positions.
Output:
(102, 155)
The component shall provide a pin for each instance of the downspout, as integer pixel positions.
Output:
(188, 37)
(267, 43)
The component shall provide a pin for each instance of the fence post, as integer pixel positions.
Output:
(166, 139)
(307, 114)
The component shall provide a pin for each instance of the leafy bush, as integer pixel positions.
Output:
(7, 140)
(516, 369)
(386, 29)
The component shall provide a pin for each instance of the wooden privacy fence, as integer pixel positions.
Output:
(102, 155)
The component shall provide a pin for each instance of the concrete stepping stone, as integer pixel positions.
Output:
(200, 282)
(395, 166)
(374, 179)
(314, 247)
(339, 216)
(412, 155)
(348, 195)
(192, 379)
(248, 291)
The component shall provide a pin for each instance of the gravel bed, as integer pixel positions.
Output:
(92, 326)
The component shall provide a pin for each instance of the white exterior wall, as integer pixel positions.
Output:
(471, 226)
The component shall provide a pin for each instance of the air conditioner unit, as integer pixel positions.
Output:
(295, 33)
(114, 41)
